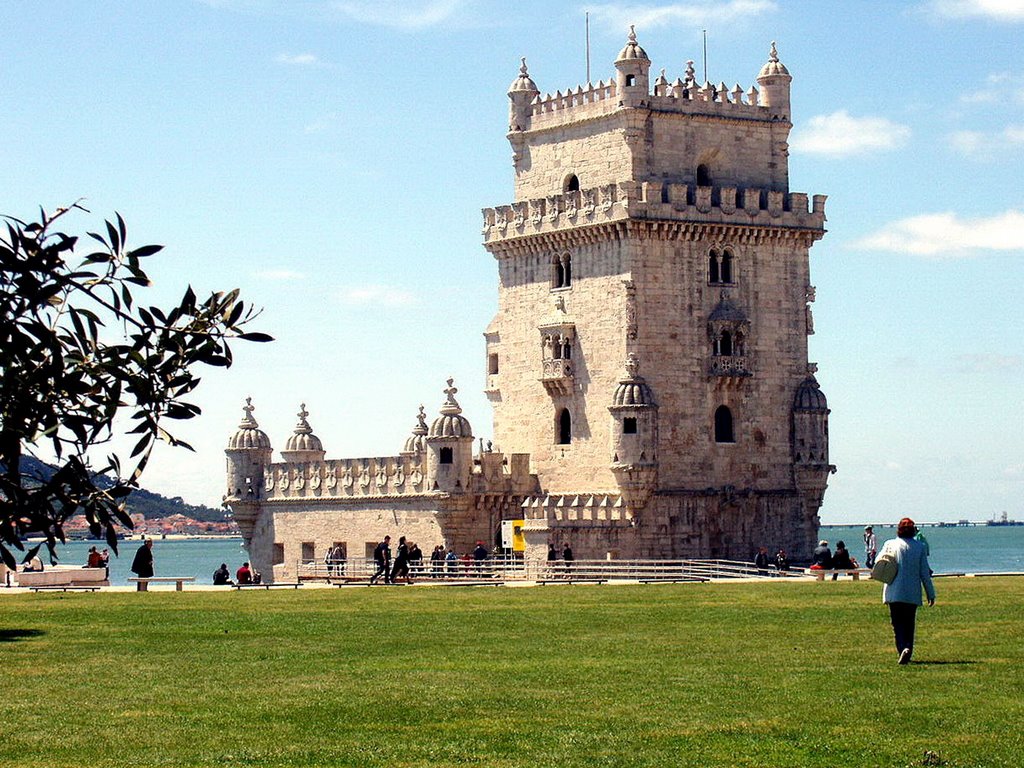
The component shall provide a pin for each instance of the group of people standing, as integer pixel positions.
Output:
(408, 561)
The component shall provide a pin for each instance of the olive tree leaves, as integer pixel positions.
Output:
(82, 362)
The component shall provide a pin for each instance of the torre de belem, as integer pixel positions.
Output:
(647, 365)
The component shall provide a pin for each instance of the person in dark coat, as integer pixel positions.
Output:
(821, 559)
(142, 565)
(222, 576)
(401, 567)
(382, 557)
(841, 560)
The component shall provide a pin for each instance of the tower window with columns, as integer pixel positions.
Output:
(561, 271)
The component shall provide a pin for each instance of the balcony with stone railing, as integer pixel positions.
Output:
(557, 376)
(734, 366)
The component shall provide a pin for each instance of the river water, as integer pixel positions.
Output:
(953, 550)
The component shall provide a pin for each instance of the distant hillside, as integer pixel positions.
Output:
(146, 503)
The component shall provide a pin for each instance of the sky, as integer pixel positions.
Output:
(331, 158)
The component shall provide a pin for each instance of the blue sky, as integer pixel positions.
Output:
(331, 160)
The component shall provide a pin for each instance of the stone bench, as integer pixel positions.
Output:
(269, 585)
(853, 573)
(142, 583)
(584, 580)
(64, 588)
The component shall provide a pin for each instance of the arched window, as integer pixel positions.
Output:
(561, 276)
(703, 176)
(564, 427)
(572, 184)
(726, 272)
(446, 455)
(725, 344)
(723, 425)
(713, 273)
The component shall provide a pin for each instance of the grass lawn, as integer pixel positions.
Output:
(764, 674)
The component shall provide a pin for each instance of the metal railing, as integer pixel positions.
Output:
(500, 569)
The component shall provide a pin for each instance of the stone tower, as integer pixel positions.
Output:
(248, 454)
(658, 228)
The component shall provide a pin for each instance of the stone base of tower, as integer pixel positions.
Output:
(724, 524)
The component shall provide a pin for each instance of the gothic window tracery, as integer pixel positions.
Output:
(721, 265)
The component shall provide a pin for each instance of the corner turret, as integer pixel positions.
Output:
(416, 443)
(248, 453)
(634, 436)
(774, 80)
(631, 73)
(450, 448)
(521, 94)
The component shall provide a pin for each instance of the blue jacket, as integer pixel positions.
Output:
(912, 558)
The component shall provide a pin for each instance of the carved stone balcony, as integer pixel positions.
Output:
(732, 366)
(557, 376)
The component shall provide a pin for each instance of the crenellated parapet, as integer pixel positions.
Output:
(654, 201)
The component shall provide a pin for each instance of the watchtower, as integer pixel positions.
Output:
(656, 226)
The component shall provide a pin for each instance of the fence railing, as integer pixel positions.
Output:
(516, 569)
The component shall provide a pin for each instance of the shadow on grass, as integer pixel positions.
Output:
(941, 662)
(12, 635)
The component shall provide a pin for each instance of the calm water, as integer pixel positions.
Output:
(953, 550)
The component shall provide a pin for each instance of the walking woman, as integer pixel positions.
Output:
(903, 596)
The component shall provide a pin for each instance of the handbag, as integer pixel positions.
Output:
(885, 568)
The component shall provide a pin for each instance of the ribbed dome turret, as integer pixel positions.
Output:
(773, 65)
(632, 50)
(249, 435)
(416, 443)
(303, 438)
(809, 397)
(524, 83)
(632, 389)
(451, 423)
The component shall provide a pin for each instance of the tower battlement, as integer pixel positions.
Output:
(749, 207)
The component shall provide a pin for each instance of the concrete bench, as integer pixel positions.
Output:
(142, 583)
(853, 573)
(545, 582)
(670, 580)
(269, 585)
(64, 588)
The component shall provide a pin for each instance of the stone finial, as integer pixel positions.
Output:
(421, 423)
(632, 365)
(631, 37)
(773, 54)
(691, 73)
(303, 428)
(451, 406)
(524, 73)
(248, 422)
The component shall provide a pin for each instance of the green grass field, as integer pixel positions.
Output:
(763, 674)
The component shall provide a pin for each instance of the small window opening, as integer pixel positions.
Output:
(446, 455)
(630, 80)
(308, 551)
(572, 184)
(726, 273)
(629, 426)
(277, 556)
(723, 425)
(703, 176)
(566, 350)
(564, 427)
(713, 273)
(492, 363)
(725, 344)
(562, 271)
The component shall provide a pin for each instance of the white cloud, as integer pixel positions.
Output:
(980, 144)
(404, 15)
(297, 59)
(841, 135)
(948, 235)
(988, 363)
(996, 10)
(1014, 471)
(279, 274)
(619, 16)
(377, 294)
